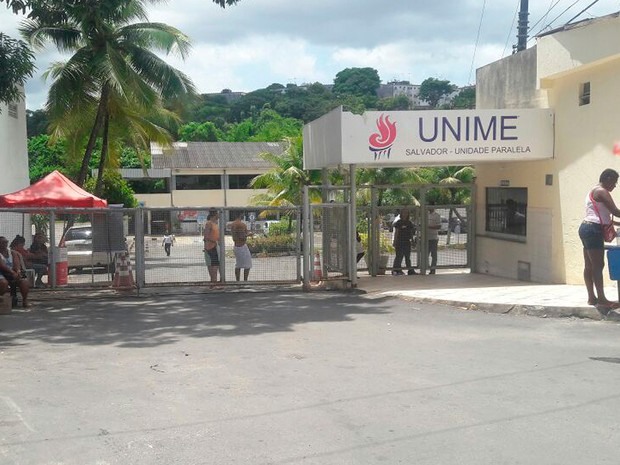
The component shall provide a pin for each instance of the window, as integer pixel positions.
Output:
(584, 94)
(13, 110)
(506, 210)
(240, 181)
(199, 182)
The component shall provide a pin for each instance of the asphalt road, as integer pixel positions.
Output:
(321, 378)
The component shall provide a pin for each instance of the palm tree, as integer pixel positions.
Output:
(389, 177)
(286, 180)
(113, 79)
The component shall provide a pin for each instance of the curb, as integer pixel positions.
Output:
(539, 311)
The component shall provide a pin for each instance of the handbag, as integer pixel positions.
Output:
(609, 232)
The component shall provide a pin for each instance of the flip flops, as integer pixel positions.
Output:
(606, 307)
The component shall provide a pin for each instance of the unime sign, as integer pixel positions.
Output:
(446, 137)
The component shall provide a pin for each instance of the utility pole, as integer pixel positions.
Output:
(522, 28)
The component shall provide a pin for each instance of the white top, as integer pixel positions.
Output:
(168, 238)
(433, 220)
(591, 215)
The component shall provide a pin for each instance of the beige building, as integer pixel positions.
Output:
(206, 174)
(574, 71)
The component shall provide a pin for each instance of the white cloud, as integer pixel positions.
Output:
(259, 42)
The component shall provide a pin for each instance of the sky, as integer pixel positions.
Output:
(260, 42)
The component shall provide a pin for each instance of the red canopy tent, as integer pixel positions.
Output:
(54, 190)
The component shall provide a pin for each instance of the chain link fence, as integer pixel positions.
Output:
(165, 246)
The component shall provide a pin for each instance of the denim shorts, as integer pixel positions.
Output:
(211, 257)
(591, 235)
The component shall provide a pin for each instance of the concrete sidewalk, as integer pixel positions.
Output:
(489, 293)
(455, 288)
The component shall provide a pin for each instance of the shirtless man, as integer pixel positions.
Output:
(243, 256)
(211, 240)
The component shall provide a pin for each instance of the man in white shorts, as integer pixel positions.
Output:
(240, 233)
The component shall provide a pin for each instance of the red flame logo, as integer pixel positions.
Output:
(381, 142)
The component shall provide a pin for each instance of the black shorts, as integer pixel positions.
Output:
(211, 257)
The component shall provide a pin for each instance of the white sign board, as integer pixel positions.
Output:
(446, 137)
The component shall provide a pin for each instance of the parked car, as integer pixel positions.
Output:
(79, 243)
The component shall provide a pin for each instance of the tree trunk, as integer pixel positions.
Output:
(94, 133)
(104, 155)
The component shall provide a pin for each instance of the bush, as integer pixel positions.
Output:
(272, 244)
(385, 246)
(281, 228)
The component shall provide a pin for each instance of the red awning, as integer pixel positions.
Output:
(54, 190)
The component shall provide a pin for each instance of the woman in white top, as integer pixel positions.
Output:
(591, 234)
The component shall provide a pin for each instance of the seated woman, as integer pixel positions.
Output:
(30, 260)
(11, 270)
(38, 258)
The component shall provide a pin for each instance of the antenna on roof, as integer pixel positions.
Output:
(522, 27)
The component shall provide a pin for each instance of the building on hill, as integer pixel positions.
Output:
(412, 92)
(228, 94)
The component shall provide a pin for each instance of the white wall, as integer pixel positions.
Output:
(13, 150)
(14, 163)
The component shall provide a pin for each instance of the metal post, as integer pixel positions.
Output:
(471, 228)
(54, 254)
(139, 248)
(374, 234)
(423, 249)
(352, 229)
(222, 246)
(522, 27)
(298, 243)
(306, 237)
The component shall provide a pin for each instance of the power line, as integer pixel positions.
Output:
(473, 58)
(511, 26)
(551, 7)
(557, 17)
(582, 11)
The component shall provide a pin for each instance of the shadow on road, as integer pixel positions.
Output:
(153, 321)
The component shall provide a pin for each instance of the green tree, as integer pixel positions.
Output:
(432, 90)
(400, 102)
(113, 79)
(285, 181)
(357, 81)
(114, 83)
(465, 99)
(36, 122)
(45, 157)
(115, 190)
(131, 159)
(199, 132)
(17, 65)
(388, 177)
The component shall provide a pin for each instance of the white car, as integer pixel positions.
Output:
(79, 243)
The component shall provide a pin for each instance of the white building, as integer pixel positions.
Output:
(574, 71)
(14, 162)
(14, 147)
